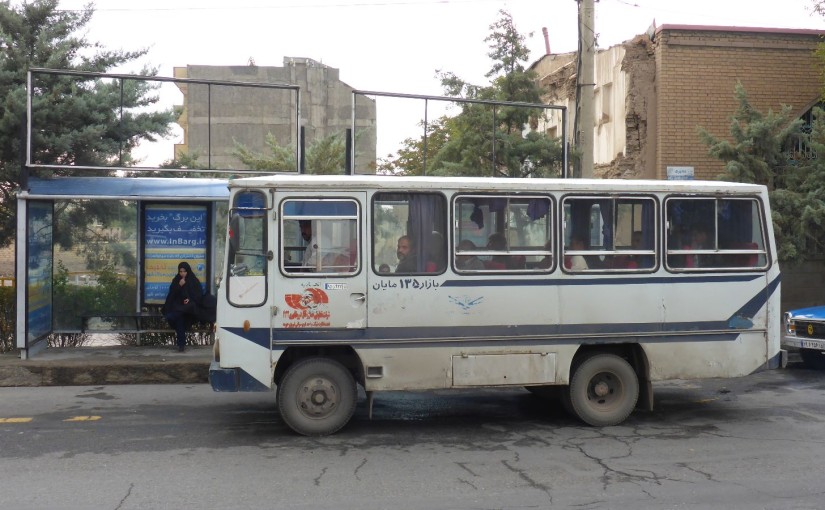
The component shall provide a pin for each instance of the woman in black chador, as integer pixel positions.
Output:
(182, 302)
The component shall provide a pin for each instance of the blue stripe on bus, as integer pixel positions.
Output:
(553, 333)
(460, 336)
(756, 303)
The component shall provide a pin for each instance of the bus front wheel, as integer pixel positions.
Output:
(604, 390)
(317, 396)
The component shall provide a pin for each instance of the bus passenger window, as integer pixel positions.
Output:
(319, 236)
(407, 235)
(715, 233)
(501, 233)
(609, 234)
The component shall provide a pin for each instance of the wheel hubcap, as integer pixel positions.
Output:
(601, 389)
(317, 397)
(604, 390)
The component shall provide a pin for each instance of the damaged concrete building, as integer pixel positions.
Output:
(654, 91)
(217, 119)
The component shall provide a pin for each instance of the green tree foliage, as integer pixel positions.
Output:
(324, 156)
(7, 319)
(416, 155)
(759, 151)
(79, 225)
(483, 139)
(75, 121)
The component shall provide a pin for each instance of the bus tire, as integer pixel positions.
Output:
(604, 390)
(317, 396)
(813, 358)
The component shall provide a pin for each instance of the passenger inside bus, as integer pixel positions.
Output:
(576, 262)
(467, 262)
(497, 242)
(698, 241)
(320, 249)
(547, 261)
(436, 256)
(635, 261)
(406, 255)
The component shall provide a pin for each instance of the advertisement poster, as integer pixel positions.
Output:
(173, 233)
(39, 270)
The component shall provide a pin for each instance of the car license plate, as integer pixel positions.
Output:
(813, 344)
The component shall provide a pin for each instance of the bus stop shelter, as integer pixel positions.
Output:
(176, 220)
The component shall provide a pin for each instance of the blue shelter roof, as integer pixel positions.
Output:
(127, 188)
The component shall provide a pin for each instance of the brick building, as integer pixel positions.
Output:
(652, 93)
(697, 69)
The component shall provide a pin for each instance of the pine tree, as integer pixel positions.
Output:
(75, 121)
(760, 151)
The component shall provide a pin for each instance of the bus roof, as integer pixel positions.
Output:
(486, 184)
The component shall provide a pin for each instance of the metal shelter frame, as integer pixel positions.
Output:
(460, 100)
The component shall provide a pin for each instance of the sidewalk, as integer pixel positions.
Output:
(81, 366)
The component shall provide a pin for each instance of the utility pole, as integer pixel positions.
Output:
(586, 82)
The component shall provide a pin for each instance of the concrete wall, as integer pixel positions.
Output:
(223, 115)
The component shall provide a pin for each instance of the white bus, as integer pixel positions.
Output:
(592, 288)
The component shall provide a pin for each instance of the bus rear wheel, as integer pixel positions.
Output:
(317, 396)
(604, 390)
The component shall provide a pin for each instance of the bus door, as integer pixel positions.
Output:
(320, 282)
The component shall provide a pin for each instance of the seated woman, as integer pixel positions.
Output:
(183, 301)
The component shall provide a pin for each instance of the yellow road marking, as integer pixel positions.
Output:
(83, 418)
(706, 400)
(15, 420)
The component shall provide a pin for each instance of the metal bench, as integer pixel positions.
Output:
(138, 323)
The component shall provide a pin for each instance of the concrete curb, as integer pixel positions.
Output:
(106, 365)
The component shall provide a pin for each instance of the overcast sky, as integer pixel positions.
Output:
(394, 45)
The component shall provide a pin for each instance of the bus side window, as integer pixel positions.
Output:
(503, 233)
(319, 236)
(609, 234)
(691, 237)
(741, 236)
(715, 233)
(635, 234)
(408, 233)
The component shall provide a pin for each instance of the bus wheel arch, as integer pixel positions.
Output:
(607, 383)
(345, 355)
(317, 396)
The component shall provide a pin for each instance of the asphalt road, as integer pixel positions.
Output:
(754, 442)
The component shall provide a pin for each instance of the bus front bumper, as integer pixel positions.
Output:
(232, 379)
